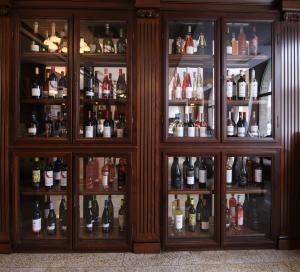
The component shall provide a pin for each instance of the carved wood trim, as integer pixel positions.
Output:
(4, 10)
(147, 13)
(291, 16)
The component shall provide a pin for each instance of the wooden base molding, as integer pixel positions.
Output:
(5, 248)
(146, 247)
(288, 243)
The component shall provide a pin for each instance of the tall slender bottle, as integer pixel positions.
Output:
(192, 216)
(242, 86)
(51, 222)
(203, 174)
(188, 47)
(232, 210)
(108, 45)
(36, 173)
(205, 217)
(242, 42)
(253, 86)
(254, 42)
(239, 213)
(89, 219)
(175, 174)
(105, 218)
(190, 174)
(178, 217)
(241, 130)
(35, 46)
(122, 216)
(36, 219)
(36, 85)
(229, 86)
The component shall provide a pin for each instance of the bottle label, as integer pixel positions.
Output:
(36, 176)
(202, 132)
(36, 92)
(106, 93)
(89, 132)
(105, 225)
(52, 88)
(178, 93)
(35, 48)
(89, 226)
(64, 178)
(199, 93)
(189, 92)
(229, 50)
(57, 175)
(179, 221)
(192, 219)
(202, 176)
(51, 227)
(121, 221)
(204, 225)
(190, 179)
(106, 132)
(120, 132)
(254, 130)
(49, 178)
(105, 179)
(107, 48)
(230, 130)
(191, 131)
(89, 94)
(179, 131)
(190, 50)
(241, 132)
(37, 225)
(32, 130)
(242, 89)
(240, 217)
(229, 89)
(229, 176)
(253, 89)
(232, 212)
(258, 175)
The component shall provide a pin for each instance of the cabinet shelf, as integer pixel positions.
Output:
(45, 58)
(187, 102)
(245, 190)
(42, 139)
(102, 101)
(44, 101)
(244, 231)
(185, 191)
(191, 60)
(237, 103)
(245, 61)
(104, 60)
(112, 190)
(30, 191)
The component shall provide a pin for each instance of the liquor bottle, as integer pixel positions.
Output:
(121, 44)
(89, 174)
(36, 85)
(239, 213)
(228, 173)
(53, 82)
(46, 207)
(204, 217)
(253, 125)
(192, 216)
(254, 42)
(199, 88)
(258, 173)
(62, 208)
(242, 42)
(190, 174)
(62, 86)
(121, 85)
(191, 127)
(105, 175)
(89, 218)
(121, 126)
(36, 174)
(229, 43)
(95, 211)
(111, 212)
(243, 179)
(230, 125)
(36, 219)
(63, 47)
(232, 210)
(107, 126)
(64, 177)
(108, 45)
(197, 166)
(105, 218)
(33, 128)
(89, 127)
(241, 130)
(175, 174)
(48, 175)
(186, 209)
(253, 86)
(188, 90)
(188, 47)
(122, 216)
(178, 217)
(199, 209)
(89, 88)
(229, 86)
(227, 215)
(57, 171)
(202, 127)
(51, 221)
(242, 86)
(201, 44)
(235, 45)
(202, 174)
(121, 168)
(106, 91)
(184, 170)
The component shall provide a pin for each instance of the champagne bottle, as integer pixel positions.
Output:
(51, 222)
(175, 174)
(36, 174)
(192, 216)
(36, 219)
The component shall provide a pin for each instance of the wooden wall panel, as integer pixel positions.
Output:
(148, 85)
(290, 99)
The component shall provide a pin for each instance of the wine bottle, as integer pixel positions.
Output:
(48, 175)
(234, 88)
(253, 125)
(89, 127)
(241, 130)
(108, 45)
(89, 88)
(228, 173)
(36, 85)
(242, 86)
(201, 44)
(178, 217)
(121, 44)
(46, 207)
(36, 219)
(53, 82)
(229, 86)
(258, 173)
(199, 209)
(254, 42)
(107, 126)
(175, 174)
(188, 47)
(64, 176)
(63, 214)
(57, 171)
(242, 42)
(191, 127)
(199, 88)
(48, 125)
(35, 47)
(51, 222)
(179, 127)
(243, 179)
(105, 218)
(197, 166)
(192, 216)
(121, 126)
(239, 213)
(186, 209)
(36, 174)
(228, 44)
(89, 228)
(111, 212)
(227, 215)
(105, 176)
(121, 86)
(95, 211)
(122, 216)
(232, 210)
(253, 86)
(62, 85)
(63, 47)
(235, 45)
(33, 128)
(204, 217)
(190, 174)
(188, 91)
(121, 168)
(230, 125)
(202, 174)
(112, 170)
(106, 91)
(184, 170)
(178, 88)
(203, 126)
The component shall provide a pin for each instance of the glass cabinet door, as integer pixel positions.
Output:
(104, 85)
(248, 83)
(103, 200)
(42, 81)
(190, 107)
(190, 207)
(249, 197)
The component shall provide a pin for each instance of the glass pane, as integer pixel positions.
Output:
(191, 197)
(190, 92)
(44, 80)
(249, 80)
(43, 198)
(248, 196)
(102, 201)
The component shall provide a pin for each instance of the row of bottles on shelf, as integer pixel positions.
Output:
(241, 90)
(194, 218)
(241, 46)
(191, 175)
(49, 126)
(92, 220)
(189, 126)
(245, 171)
(107, 88)
(100, 125)
(189, 89)
(54, 173)
(110, 172)
(48, 218)
(53, 86)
